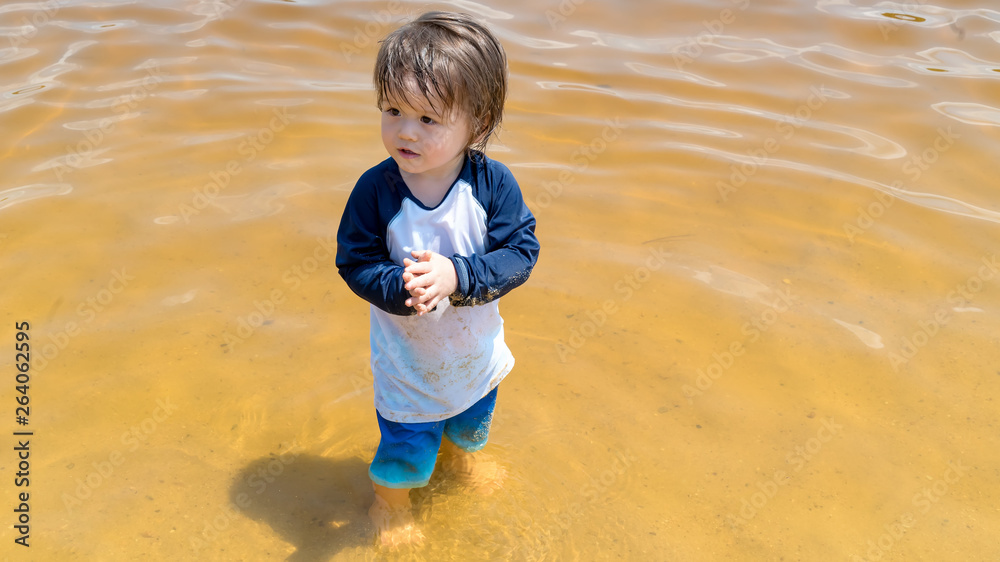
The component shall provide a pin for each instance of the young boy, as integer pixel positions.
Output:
(432, 237)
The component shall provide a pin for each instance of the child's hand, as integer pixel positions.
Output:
(429, 279)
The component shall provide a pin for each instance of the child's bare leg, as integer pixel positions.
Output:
(390, 513)
(474, 469)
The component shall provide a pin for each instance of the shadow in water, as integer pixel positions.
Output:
(317, 504)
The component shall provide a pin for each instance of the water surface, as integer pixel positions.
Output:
(764, 324)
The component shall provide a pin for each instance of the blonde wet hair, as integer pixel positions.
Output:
(455, 61)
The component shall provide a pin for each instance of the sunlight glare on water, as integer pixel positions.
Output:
(763, 326)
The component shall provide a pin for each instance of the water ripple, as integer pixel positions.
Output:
(895, 14)
(95, 27)
(671, 73)
(872, 144)
(927, 200)
(697, 129)
(535, 42)
(13, 54)
(480, 9)
(14, 103)
(800, 56)
(972, 113)
(731, 282)
(632, 44)
(74, 160)
(89, 124)
(955, 62)
(13, 196)
(869, 68)
(867, 337)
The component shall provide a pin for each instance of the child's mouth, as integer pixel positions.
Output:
(407, 153)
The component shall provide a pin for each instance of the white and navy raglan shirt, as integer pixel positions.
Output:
(432, 367)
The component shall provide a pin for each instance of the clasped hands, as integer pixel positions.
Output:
(429, 279)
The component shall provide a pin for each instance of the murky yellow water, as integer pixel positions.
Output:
(764, 324)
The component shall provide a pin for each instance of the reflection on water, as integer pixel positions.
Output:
(764, 325)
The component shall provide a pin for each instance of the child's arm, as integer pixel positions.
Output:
(363, 258)
(511, 246)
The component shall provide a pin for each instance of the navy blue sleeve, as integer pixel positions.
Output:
(362, 255)
(511, 246)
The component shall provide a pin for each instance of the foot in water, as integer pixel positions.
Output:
(475, 470)
(394, 521)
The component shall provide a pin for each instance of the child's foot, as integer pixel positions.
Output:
(476, 470)
(395, 526)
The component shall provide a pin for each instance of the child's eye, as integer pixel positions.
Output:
(426, 120)
(392, 111)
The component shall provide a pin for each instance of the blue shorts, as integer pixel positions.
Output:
(407, 452)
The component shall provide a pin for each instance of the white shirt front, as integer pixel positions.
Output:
(432, 367)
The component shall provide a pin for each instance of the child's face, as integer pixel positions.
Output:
(423, 141)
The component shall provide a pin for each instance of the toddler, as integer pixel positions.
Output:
(432, 237)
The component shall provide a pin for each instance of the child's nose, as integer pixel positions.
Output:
(408, 131)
